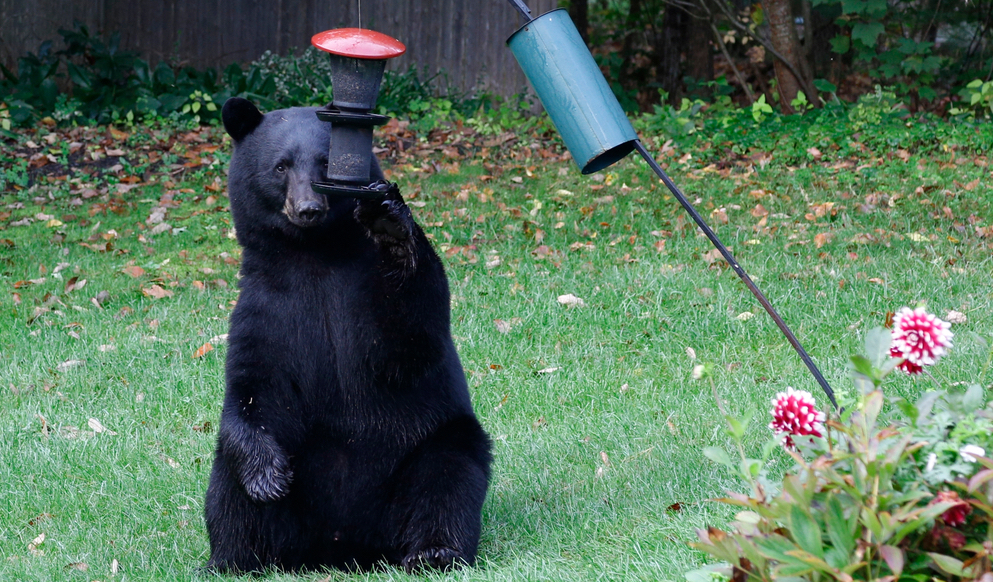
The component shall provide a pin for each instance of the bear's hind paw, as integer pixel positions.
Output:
(436, 558)
(268, 484)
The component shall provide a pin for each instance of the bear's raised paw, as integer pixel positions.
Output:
(389, 223)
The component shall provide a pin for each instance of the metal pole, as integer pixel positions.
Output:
(737, 269)
(521, 7)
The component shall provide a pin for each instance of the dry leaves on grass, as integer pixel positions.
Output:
(156, 292)
(134, 271)
(68, 365)
(33, 547)
(570, 300)
(504, 326)
(203, 350)
(98, 428)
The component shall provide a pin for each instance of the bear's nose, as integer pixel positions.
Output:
(310, 211)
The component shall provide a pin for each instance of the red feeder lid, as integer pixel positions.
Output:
(359, 43)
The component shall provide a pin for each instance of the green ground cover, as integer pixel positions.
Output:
(111, 397)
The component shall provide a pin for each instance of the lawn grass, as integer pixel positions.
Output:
(597, 425)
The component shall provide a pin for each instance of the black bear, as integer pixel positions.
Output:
(347, 436)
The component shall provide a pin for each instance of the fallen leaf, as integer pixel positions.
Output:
(40, 518)
(691, 353)
(203, 350)
(956, 317)
(503, 326)
(68, 364)
(714, 256)
(549, 370)
(571, 300)
(33, 546)
(219, 339)
(156, 292)
(81, 566)
(98, 428)
(172, 463)
(134, 271)
(744, 316)
(74, 284)
(822, 239)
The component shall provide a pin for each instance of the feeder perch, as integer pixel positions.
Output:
(358, 60)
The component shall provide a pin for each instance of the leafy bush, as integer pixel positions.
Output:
(978, 95)
(867, 499)
(108, 85)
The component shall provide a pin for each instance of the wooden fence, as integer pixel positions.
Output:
(464, 38)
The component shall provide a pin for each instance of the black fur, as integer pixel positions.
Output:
(347, 435)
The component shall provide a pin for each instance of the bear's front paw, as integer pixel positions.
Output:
(437, 557)
(265, 482)
(388, 222)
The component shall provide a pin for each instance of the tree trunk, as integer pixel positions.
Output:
(579, 11)
(631, 34)
(668, 48)
(782, 34)
(699, 51)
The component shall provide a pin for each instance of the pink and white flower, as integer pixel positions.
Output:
(795, 415)
(920, 338)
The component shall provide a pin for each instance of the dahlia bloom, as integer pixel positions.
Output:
(906, 365)
(955, 515)
(920, 338)
(795, 415)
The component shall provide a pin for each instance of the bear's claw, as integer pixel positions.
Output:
(436, 557)
(389, 224)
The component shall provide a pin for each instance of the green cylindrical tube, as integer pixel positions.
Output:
(573, 91)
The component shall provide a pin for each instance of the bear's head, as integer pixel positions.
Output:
(276, 156)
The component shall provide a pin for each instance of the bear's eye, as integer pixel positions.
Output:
(281, 168)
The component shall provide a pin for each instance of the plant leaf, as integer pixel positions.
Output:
(947, 564)
(867, 32)
(718, 455)
(839, 529)
(893, 557)
(806, 532)
(877, 347)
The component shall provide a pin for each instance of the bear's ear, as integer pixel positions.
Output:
(240, 117)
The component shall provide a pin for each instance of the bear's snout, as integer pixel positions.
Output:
(304, 207)
(309, 213)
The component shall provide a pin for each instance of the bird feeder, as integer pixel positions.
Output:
(573, 91)
(595, 129)
(358, 59)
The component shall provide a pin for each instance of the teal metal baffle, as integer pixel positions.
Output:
(596, 131)
(573, 91)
